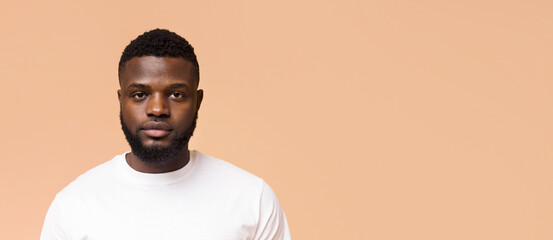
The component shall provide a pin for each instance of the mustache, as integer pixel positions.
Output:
(154, 123)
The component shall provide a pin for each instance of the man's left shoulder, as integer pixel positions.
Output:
(220, 169)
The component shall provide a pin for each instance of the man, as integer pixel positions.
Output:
(161, 190)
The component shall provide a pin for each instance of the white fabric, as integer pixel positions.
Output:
(207, 199)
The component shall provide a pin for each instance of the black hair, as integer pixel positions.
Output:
(160, 43)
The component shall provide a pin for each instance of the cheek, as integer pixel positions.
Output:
(184, 116)
(131, 114)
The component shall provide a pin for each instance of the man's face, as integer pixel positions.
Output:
(159, 103)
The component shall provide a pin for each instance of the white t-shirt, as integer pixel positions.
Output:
(206, 199)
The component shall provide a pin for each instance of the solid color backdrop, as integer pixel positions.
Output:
(370, 119)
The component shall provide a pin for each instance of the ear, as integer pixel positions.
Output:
(199, 98)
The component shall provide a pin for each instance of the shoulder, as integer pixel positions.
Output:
(227, 179)
(232, 177)
(212, 167)
(95, 178)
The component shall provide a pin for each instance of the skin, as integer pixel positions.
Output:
(158, 89)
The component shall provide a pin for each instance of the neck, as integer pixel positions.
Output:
(173, 164)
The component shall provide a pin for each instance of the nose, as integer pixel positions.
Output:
(157, 106)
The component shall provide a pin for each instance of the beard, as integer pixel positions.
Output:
(157, 154)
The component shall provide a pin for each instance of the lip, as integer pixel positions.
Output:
(156, 133)
(156, 129)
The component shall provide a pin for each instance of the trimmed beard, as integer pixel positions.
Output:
(157, 154)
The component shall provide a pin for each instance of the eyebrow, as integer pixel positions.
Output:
(144, 86)
(138, 85)
(177, 85)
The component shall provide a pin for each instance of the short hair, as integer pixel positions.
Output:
(160, 43)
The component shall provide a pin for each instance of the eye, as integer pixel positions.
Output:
(177, 95)
(138, 95)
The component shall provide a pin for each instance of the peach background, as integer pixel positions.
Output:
(370, 119)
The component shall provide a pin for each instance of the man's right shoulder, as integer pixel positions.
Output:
(95, 178)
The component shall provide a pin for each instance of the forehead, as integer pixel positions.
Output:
(157, 70)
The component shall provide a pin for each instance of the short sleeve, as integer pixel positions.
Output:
(54, 227)
(272, 221)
